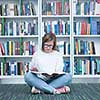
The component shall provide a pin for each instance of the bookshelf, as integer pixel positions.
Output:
(66, 19)
(56, 18)
(19, 37)
(86, 34)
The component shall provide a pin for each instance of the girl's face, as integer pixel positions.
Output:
(48, 46)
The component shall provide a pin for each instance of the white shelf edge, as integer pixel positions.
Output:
(15, 56)
(55, 16)
(60, 36)
(22, 76)
(23, 56)
(66, 56)
(86, 55)
(30, 16)
(11, 76)
(19, 36)
(86, 15)
(85, 36)
(86, 76)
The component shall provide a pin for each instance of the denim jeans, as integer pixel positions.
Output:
(49, 85)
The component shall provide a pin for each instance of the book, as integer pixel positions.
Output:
(47, 75)
(78, 8)
(97, 9)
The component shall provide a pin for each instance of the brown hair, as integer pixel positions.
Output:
(49, 37)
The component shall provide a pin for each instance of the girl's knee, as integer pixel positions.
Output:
(68, 77)
(27, 76)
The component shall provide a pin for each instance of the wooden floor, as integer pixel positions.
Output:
(22, 92)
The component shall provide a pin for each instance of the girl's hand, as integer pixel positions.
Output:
(34, 69)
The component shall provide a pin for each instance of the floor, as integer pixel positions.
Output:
(78, 92)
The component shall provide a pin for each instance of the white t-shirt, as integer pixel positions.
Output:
(47, 62)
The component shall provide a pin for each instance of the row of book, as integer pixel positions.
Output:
(12, 9)
(14, 28)
(87, 28)
(87, 7)
(63, 47)
(88, 66)
(12, 67)
(58, 27)
(20, 68)
(56, 7)
(29, 47)
(83, 47)
(17, 48)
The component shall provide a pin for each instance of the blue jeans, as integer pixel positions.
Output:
(49, 85)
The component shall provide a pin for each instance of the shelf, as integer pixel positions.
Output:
(86, 16)
(12, 77)
(86, 36)
(74, 76)
(14, 17)
(62, 36)
(55, 16)
(16, 56)
(20, 36)
(86, 76)
(87, 55)
(66, 56)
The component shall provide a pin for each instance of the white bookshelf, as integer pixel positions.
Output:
(54, 18)
(68, 38)
(85, 37)
(34, 37)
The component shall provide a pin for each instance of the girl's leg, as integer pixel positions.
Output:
(60, 81)
(34, 81)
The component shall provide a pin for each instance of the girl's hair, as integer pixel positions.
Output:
(49, 37)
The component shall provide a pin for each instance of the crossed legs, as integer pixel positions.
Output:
(47, 85)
